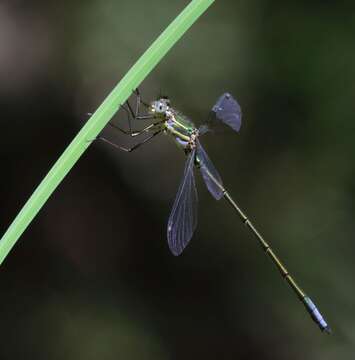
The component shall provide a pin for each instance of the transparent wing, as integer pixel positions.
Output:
(209, 173)
(183, 218)
(228, 111)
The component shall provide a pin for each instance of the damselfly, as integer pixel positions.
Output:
(183, 218)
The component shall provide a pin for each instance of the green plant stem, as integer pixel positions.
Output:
(100, 119)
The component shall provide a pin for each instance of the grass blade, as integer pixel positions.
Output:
(99, 120)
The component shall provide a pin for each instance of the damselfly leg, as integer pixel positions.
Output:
(134, 147)
(135, 115)
(154, 128)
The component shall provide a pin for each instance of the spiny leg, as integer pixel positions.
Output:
(138, 94)
(138, 132)
(128, 120)
(134, 147)
(135, 115)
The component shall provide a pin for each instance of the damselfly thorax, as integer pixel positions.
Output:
(175, 124)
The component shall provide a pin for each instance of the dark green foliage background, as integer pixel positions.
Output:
(93, 278)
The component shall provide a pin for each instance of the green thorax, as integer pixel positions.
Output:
(179, 125)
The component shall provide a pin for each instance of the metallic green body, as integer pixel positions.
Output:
(180, 126)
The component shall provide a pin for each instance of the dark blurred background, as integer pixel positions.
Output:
(92, 277)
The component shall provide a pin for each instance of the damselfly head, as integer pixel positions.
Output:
(160, 106)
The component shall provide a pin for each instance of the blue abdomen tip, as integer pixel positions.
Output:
(316, 315)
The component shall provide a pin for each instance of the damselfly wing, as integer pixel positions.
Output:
(183, 218)
(209, 173)
(228, 111)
